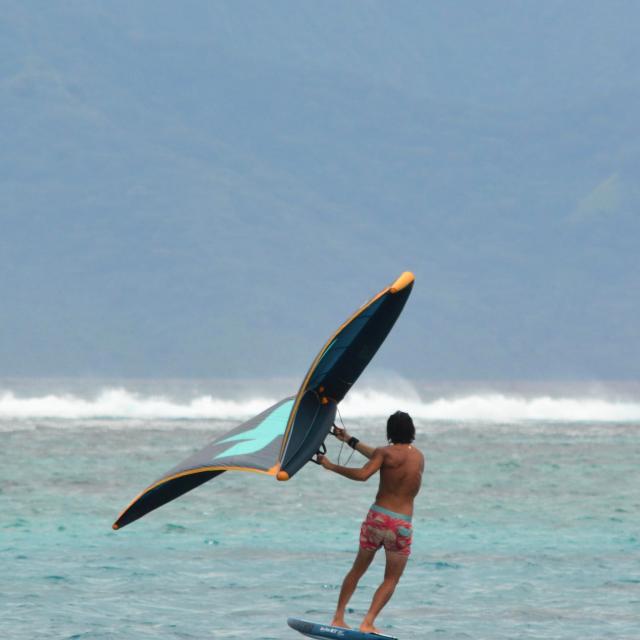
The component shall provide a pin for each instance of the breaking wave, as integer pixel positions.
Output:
(123, 404)
(495, 407)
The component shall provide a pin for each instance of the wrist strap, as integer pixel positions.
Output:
(353, 441)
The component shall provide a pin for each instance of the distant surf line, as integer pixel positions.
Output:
(492, 407)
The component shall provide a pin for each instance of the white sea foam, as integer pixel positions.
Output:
(122, 404)
(493, 407)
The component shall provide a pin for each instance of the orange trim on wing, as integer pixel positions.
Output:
(272, 471)
(403, 281)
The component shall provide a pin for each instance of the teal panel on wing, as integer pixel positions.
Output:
(260, 436)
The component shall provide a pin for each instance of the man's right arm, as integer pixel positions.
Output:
(365, 449)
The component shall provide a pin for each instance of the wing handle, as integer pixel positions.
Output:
(321, 451)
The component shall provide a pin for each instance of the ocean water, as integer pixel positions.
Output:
(528, 524)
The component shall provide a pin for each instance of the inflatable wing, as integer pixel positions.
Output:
(283, 438)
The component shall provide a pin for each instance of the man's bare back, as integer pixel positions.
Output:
(400, 477)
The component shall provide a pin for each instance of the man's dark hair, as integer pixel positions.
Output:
(400, 429)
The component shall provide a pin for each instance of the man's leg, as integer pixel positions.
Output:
(350, 582)
(395, 565)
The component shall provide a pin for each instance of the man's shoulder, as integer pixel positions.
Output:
(385, 449)
(383, 452)
(392, 447)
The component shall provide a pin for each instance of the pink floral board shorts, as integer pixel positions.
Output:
(384, 528)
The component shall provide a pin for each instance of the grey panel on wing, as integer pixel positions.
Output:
(252, 446)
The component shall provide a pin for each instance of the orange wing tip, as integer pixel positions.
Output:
(403, 281)
(283, 476)
(115, 526)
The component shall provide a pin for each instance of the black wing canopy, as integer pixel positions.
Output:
(346, 355)
(284, 437)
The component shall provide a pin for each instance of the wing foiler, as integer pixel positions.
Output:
(283, 438)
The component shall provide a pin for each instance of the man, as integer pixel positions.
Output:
(388, 522)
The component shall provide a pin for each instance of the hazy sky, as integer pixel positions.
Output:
(209, 189)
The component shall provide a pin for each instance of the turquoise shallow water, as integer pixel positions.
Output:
(523, 530)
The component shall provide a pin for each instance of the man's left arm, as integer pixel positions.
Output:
(353, 473)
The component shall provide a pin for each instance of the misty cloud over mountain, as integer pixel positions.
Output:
(209, 189)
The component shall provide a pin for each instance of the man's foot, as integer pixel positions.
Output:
(369, 628)
(339, 622)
